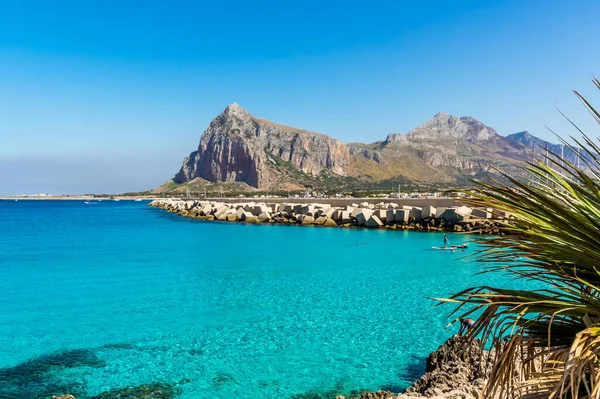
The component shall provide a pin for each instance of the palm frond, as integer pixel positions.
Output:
(546, 337)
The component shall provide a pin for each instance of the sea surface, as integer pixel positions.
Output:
(106, 295)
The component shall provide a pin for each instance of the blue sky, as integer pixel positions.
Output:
(110, 96)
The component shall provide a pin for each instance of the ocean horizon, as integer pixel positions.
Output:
(107, 295)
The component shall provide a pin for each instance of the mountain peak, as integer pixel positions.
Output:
(527, 139)
(445, 125)
(450, 126)
(235, 110)
(443, 116)
(234, 106)
(443, 121)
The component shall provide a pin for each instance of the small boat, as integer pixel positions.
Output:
(461, 246)
(117, 199)
(86, 202)
(444, 249)
(138, 200)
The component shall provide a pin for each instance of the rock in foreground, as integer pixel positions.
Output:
(457, 370)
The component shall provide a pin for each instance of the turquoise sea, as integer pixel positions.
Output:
(108, 295)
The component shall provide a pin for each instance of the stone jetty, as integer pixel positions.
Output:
(363, 214)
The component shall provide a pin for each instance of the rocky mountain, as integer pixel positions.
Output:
(446, 126)
(445, 149)
(239, 147)
(240, 152)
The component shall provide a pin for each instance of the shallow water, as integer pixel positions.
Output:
(260, 311)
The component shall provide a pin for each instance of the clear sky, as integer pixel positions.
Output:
(109, 96)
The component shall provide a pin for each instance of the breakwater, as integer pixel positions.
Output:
(388, 215)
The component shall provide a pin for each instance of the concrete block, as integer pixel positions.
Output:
(485, 213)
(428, 211)
(321, 220)
(345, 217)
(337, 214)
(220, 210)
(307, 208)
(356, 211)
(453, 215)
(402, 215)
(381, 214)
(239, 212)
(439, 211)
(287, 208)
(499, 214)
(308, 220)
(246, 216)
(327, 212)
(363, 216)
(390, 215)
(464, 210)
(330, 223)
(416, 213)
(374, 222)
(264, 217)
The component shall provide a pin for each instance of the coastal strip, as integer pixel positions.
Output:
(385, 215)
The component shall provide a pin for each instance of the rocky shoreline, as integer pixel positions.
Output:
(382, 215)
(456, 370)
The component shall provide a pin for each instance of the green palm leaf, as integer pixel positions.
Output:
(546, 337)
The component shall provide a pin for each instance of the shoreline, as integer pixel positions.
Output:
(74, 198)
(383, 215)
(420, 201)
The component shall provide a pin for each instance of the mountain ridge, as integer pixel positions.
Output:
(257, 154)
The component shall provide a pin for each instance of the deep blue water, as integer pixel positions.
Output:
(260, 311)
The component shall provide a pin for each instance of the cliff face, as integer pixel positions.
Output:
(237, 146)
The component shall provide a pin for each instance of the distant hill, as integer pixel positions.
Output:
(239, 152)
(446, 149)
(539, 146)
